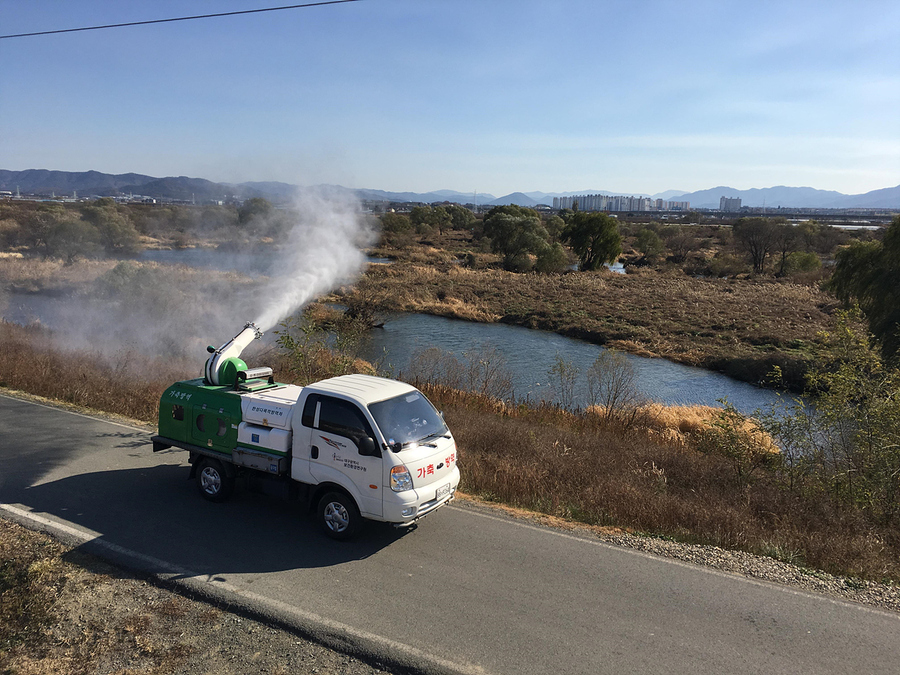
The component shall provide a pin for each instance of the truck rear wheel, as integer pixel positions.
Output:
(212, 481)
(338, 516)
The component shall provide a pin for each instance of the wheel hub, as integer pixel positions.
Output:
(336, 517)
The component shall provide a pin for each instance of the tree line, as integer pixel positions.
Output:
(103, 227)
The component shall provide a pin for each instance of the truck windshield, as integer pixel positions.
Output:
(408, 418)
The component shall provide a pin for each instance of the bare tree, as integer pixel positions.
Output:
(756, 236)
(565, 376)
(612, 385)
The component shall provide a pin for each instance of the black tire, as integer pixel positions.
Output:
(338, 516)
(212, 481)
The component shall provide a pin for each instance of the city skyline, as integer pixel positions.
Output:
(490, 97)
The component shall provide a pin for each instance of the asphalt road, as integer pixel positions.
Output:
(468, 590)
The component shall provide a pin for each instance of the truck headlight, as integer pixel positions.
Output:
(400, 479)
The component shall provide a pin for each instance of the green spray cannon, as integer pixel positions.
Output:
(224, 363)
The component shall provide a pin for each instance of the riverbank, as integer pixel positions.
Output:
(742, 328)
(639, 472)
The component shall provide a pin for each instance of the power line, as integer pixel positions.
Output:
(179, 18)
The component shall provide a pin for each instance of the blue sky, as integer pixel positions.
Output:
(494, 96)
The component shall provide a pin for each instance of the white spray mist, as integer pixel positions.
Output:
(173, 312)
(323, 250)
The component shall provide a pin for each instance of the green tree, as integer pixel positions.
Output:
(516, 233)
(801, 261)
(554, 226)
(649, 244)
(117, 233)
(461, 218)
(419, 215)
(848, 441)
(256, 208)
(594, 237)
(395, 222)
(38, 225)
(440, 219)
(71, 238)
(869, 273)
(551, 259)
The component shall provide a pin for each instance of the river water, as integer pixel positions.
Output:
(527, 355)
(530, 354)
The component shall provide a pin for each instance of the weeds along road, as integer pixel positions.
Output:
(468, 591)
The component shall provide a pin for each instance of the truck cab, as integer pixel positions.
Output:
(379, 440)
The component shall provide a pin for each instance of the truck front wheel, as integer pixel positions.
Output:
(338, 516)
(212, 481)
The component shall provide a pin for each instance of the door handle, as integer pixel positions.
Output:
(314, 452)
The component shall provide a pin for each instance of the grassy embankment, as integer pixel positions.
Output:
(645, 477)
(740, 327)
(64, 611)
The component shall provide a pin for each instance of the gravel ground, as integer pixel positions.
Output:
(767, 569)
(874, 594)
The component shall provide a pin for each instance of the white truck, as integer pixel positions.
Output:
(354, 447)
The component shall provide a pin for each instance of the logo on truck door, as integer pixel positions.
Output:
(337, 445)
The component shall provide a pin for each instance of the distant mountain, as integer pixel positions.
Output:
(42, 181)
(95, 183)
(885, 198)
(517, 198)
(283, 191)
(668, 195)
(793, 197)
(427, 197)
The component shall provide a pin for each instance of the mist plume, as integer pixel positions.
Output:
(323, 250)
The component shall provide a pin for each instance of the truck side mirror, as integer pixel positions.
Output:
(367, 446)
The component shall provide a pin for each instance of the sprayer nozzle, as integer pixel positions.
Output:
(257, 333)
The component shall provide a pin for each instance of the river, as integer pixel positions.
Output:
(528, 355)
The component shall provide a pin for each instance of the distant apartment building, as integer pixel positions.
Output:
(730, 205)
(617, 203)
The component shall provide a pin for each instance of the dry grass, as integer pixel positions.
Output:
(31, 362)
(30, 576)
(682, 423)
(34, 275)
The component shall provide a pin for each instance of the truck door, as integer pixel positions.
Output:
(343, 450)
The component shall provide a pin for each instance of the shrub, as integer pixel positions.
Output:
(849, 438)
(800, 262)
(741, 441)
